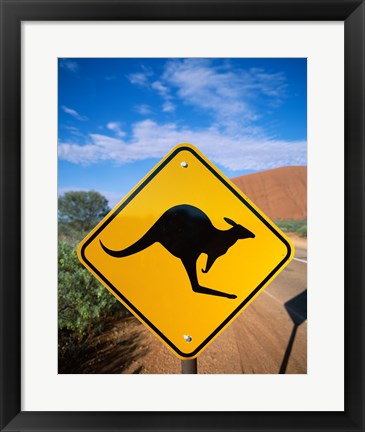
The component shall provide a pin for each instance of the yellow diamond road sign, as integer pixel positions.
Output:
(185, 251)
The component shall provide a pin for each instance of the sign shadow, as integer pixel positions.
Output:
(297, 310)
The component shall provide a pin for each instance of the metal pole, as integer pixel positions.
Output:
(189, 366)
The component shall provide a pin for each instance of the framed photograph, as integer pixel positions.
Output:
(96, 95)
(228, 108)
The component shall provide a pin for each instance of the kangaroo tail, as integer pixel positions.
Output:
(143, 243)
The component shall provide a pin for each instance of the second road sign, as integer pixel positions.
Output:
(185, 251)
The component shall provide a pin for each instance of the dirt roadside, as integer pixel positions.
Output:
(299, 242)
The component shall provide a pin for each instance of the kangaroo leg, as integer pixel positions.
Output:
(210, 261)
(190, 267)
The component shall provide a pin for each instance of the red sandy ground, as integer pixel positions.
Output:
(280, 193)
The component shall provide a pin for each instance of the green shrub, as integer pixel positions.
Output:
(84, 303)
(302, 231)
(69, 234)
(82, 210)
(295, 226)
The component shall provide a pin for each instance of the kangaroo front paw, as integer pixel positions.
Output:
(231, 296)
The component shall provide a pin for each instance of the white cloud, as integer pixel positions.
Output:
(228, 94)
(152, 140)
(143, 109)
(164, 92)
(74, 113)
(138, 78)
(161, 88)
(141, 78)
(116, 127)
(235, 138)
(69, 65)
(73, 130)
(168, 107)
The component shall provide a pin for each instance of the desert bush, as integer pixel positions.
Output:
(81, 210)
(84, 304)
(69, 234)
(295, 226)
(302, 231)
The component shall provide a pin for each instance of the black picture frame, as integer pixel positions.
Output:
(13, 12)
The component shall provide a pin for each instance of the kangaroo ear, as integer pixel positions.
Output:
(230, 221)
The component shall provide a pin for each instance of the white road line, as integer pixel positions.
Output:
(300, 260)
(273, 297)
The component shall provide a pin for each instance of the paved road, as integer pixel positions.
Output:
(269, 337)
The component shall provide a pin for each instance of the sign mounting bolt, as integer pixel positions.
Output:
(184, 164)
(188, 338)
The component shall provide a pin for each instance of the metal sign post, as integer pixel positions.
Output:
(189, 366)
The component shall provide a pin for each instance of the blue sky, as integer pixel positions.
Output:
(118, 117)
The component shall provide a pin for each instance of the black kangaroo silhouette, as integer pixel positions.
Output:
(187, 232)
